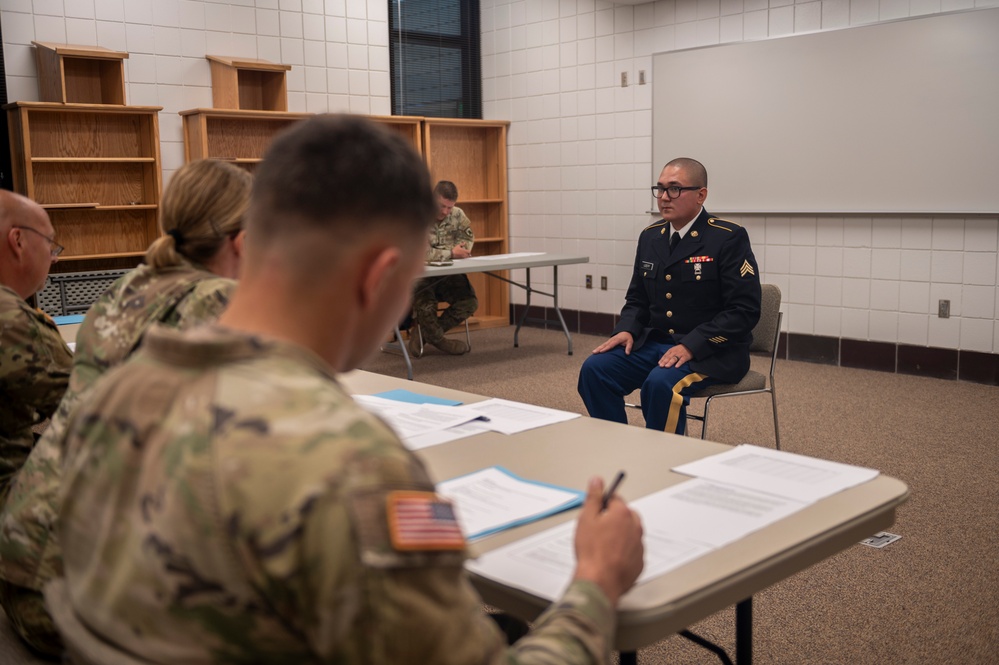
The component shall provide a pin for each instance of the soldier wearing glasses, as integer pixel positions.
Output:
(34, 360)
(689, 312)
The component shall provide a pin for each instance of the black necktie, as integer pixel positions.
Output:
(674, 240)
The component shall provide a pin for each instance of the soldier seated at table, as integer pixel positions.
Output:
(450, 238)
(226, 501)
(34, 360)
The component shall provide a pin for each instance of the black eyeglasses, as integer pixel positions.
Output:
(55, 249)
(672, 191)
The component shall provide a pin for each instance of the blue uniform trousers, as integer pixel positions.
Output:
(605, 378)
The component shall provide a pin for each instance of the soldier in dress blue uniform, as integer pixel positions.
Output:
(689, 313)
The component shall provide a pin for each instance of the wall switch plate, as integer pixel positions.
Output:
(641, 77)
(943, 309)
(624, 79)
(603, 283)
(589, 281)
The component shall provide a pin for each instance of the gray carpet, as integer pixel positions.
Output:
(931, 597)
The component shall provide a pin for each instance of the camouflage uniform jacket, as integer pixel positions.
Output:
(455, 230)
(225, 502)
(34, 372)
(179, 297)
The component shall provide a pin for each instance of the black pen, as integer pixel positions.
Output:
(610, 491)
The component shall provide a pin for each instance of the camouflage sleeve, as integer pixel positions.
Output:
(455, 230)
(34, 361)
(205, 303)
(34, 371)
(464, 235)
(410, 607)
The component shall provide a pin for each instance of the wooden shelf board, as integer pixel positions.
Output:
(137, 206)
(87, 257)
(247, 113)
(75, 50)
(490, 239)
(478, 201)
(249, 63)
(68, 206)
(73, 107)
(86, 160)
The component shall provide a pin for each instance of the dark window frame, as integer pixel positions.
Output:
(469, 46)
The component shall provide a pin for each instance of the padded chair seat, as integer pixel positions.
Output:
(752, 381)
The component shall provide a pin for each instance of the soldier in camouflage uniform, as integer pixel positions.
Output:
(451, 238)
(186, 281)
(226, 501)
(34, 359)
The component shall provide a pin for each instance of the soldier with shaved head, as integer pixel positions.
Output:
(226, 501)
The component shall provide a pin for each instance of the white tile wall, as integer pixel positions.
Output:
(580, 144)
(876, 278)
(167, 41)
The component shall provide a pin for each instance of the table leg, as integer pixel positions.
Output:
(523, 316)
(744, 632)
(628, 658)
(565, 328)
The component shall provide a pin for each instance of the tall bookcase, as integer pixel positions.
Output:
(472, 155)
(91, 161)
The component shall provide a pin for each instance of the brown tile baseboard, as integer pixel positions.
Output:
(930, 361)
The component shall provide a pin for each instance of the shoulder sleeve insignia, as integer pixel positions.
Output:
(422, 521)
(746, 269)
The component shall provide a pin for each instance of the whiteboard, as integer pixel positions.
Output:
(888, 118)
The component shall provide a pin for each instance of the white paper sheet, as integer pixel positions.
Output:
(786, 474)
(509, 417)
(410, 420)
(494, 499)
(681, 523)
(445, 436)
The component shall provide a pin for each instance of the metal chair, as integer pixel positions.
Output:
(766, 336)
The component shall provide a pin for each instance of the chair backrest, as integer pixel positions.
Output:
(765, 334)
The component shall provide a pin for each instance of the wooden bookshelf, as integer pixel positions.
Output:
(232, 135)
(248, 84)
(472, 155)
(96, 169)
(68, 73)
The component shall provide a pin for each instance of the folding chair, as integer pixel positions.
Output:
(766, 336)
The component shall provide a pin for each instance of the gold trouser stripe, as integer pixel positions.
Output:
(677, 402)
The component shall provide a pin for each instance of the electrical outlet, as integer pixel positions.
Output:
(603, 283)
(641, 77)
(624, 79)
(943, 309)
(589, 281)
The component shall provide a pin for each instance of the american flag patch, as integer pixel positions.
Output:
(422, 521)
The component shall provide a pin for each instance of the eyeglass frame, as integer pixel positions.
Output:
(665, 190)
(55, 249)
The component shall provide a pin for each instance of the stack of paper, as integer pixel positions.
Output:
(423, 420)
(736, 493)
(495, 499)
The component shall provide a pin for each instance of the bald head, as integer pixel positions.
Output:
(694, 170)
(25, 248)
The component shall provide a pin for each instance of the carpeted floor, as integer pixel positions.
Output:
(931, 597)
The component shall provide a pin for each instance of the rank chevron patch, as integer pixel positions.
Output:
(746, 269)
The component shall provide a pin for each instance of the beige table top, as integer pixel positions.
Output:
(569, 453)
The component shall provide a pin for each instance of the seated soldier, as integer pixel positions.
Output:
(188, 275)
(226, 501)
(451, 238)
(34, 360)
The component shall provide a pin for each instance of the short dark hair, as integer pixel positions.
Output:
(446, 190)
(693, 168)
(339, 173)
